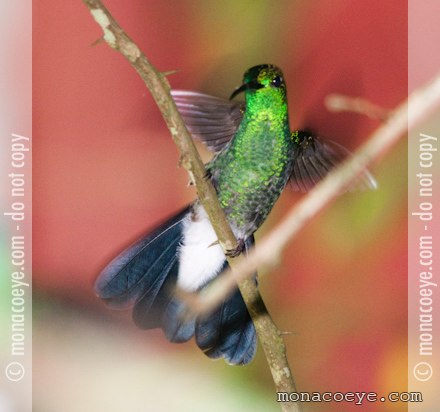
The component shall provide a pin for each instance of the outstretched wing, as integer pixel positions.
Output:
(315, 157)
(212, 120)
(139, 272)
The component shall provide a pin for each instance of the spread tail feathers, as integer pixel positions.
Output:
(228, 332)
(144, 277)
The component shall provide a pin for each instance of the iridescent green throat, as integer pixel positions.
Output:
(250, 173)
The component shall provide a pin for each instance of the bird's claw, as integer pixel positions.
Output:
(236, 251)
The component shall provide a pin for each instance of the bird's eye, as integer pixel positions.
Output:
(277, 80)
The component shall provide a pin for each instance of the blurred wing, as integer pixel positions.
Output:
(140, 271)
(314, 159)
(212, 120)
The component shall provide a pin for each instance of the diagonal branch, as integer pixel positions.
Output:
(420, 104)
(340, 103)
(156, 82)
(159, 87)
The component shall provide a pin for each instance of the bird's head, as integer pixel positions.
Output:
(262, 79)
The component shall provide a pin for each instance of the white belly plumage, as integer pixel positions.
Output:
(200, 257)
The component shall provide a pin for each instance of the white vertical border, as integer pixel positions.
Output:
(16, 191)
(423, 216)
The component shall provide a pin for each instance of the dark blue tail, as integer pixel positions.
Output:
(144, 277)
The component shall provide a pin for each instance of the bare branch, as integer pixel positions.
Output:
(159, 88)
(341, 103)
(156, 82)
(269, 249)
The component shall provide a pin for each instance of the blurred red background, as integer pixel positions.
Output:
(106, 170)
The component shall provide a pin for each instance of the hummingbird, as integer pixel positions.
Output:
(256, 156)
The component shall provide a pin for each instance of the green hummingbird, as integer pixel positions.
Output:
(256, 156)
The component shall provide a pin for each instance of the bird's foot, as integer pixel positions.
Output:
(235, 252)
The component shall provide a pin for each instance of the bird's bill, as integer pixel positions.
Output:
(246, 86)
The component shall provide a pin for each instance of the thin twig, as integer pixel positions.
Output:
(340, 103)
(156, 82)
(269, 249)
(159, 87)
